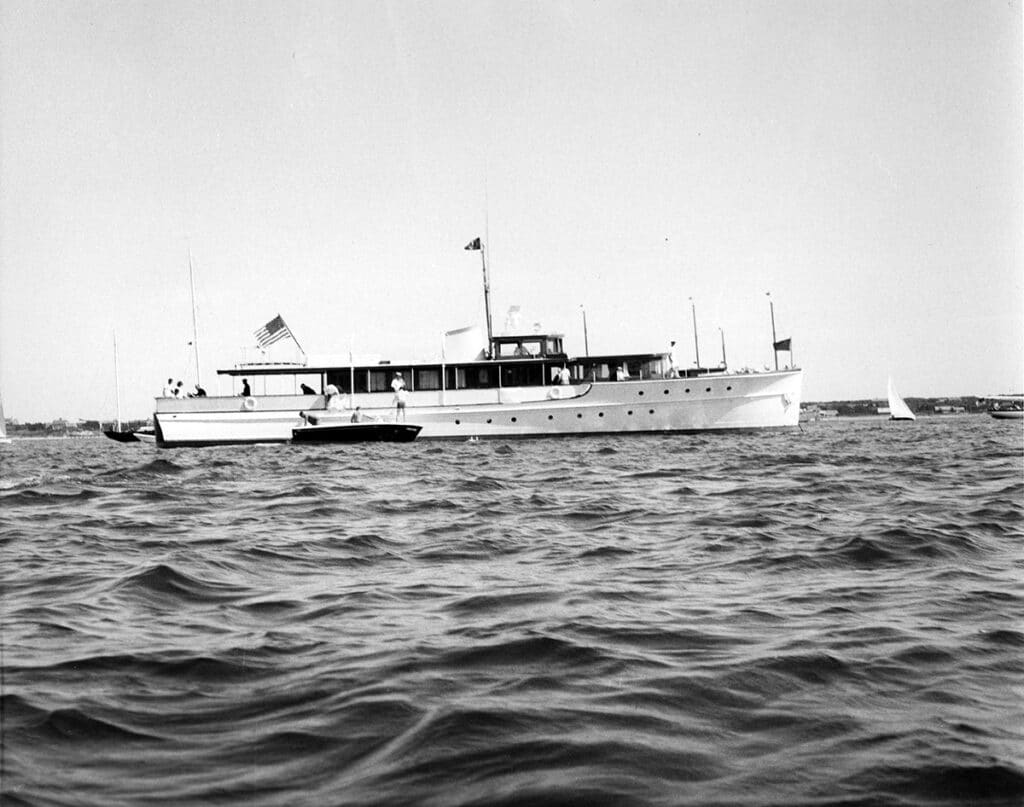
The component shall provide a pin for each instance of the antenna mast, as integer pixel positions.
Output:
(195, 327)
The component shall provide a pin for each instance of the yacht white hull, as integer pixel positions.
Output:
(704, 403)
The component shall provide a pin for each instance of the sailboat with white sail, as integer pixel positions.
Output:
(4, 439)
(898, 409)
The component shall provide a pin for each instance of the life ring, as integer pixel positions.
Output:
(249, 404)
(555, 393)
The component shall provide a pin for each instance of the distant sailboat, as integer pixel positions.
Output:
(119, 433)
(898, 410)
(3, 426)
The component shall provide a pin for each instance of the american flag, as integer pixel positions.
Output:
(273, 331)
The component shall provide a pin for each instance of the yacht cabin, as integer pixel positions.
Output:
(519, 360)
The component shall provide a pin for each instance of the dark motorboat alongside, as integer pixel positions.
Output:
(355, 433)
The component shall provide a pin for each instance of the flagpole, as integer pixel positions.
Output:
(771, 307)
(586, 340)
(724, 362)
(296, 341)
(696, 347)
(444, 338)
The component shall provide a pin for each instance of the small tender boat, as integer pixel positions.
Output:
(898, 410)
(364, 432)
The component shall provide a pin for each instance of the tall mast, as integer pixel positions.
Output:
(487, 296)
(195, 327)
(117, 386)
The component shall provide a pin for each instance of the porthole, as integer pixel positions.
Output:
(686, 390)
(488, 420)
(513, 420)
(457, 422)
(630, 412)
(666, 392)
(728, 389)
(551, 417)
(579, 414)
(641, 392)
(707, 389)
(652, 411)
(600, 414)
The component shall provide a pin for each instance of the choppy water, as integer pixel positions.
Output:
(832, 616)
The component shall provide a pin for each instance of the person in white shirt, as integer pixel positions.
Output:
(168, 389)
(401, 396)
(673, 371)
(332, 396)
(397, 383)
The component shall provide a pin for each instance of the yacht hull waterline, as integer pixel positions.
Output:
(714, 402)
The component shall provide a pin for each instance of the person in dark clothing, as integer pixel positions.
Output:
(246, 392)
(307, 390)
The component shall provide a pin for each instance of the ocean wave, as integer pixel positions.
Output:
(829, 617)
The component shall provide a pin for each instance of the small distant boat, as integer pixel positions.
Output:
(145, 434)
(119, 433)
(1006, 407)
(332, 431)
(898, 410)
(4, 439)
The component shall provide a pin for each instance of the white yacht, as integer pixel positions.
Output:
(508, 386)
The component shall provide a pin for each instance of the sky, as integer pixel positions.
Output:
(861, 161)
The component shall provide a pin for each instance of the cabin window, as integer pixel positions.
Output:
(342, 379)
(474, 377)
(428, 379)
(529, 375)
(380, 381)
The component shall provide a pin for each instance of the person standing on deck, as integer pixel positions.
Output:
(332, 398)
(673, 371)
(401, 396)
(168, 389)
(246, 392)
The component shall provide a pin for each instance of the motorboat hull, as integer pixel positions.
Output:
(356, 433)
